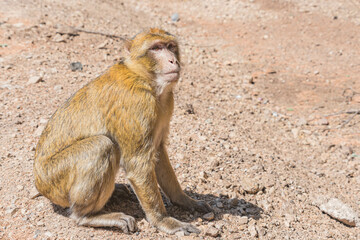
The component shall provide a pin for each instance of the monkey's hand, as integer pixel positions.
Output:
(171, 226)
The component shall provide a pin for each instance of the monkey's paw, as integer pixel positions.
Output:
(194, 205)
(171, 226)
(126, 223)
(200, 206)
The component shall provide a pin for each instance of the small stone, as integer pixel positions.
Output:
(37, 233)
(20, 187)
(76, 66)
(295, 132)
(243, 220)
(40, 223)
(219, 225)
(301, 122)
(262, 232)
(58, 88)
(219, 204)
(250, 186)
(59, 38)
(204, 175)
(253, 232)
(43, 121)
(215, 163)
(322, 121)
(102, 45)
(11, 210)
(175, 17)
(35, 79)
(48, 234)
(18, 25)
(209, 216)
(212, 232)
(249, 79)
(270, 71)
(234, 202)
(339, 211)
(180, 234)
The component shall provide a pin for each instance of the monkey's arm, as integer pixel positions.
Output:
(141, 174)
(171, 187)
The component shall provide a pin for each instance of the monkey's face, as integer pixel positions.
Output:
(156, 52)
(167, 66)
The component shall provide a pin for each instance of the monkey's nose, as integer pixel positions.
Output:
(174, 61)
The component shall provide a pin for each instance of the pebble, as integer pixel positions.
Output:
(301, 122)
(253, 232)
(250, 186)
(40, 223)
(219, 225)
(295, 132)
(339, 211)
(102, 45)
(11, 210)
(34, 193)
(234, 202)
(219, 204)
(322, 121)
(180, 234)
(249, 79)
(18, 25)
(76, 66)
(204, 175)
(35, 79)
(58, 88)
(20, 187)
(209, 216)
(175, 17)
(59, 38)
(243, 220)
(212, 232)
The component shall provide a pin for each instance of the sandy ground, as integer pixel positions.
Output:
(265, 126)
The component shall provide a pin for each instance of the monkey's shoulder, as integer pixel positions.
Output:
(119, 78)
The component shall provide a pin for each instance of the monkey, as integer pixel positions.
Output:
(119, 119)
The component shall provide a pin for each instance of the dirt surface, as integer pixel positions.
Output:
(265, 126)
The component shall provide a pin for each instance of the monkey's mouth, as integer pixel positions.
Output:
(172, 76)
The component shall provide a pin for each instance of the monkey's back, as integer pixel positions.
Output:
(108, 105)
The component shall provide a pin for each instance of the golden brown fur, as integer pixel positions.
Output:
(120, 118)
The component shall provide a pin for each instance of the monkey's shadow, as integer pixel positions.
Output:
(124, 200)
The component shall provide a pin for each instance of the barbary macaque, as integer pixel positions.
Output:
(119, 119)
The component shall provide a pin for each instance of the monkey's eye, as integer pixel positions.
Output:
(171, 47)
(156, 47)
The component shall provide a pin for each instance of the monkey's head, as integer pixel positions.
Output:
(155, 54)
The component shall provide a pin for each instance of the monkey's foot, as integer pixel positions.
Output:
(191, 205)
(125, 222)
(171, 226)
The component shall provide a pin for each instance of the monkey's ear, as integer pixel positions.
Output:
(127, 46)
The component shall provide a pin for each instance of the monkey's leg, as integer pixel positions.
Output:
(171, 187)
(94, 162)
(141, 174)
